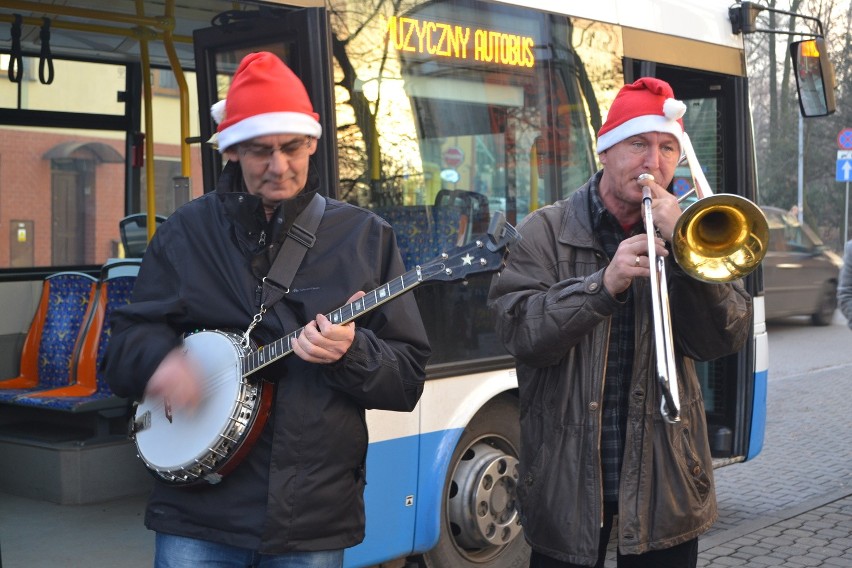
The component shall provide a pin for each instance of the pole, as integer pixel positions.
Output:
(801, 172)
(846, 217)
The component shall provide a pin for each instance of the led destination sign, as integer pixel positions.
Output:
(427, 37)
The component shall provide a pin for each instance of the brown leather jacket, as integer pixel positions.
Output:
(553, 315)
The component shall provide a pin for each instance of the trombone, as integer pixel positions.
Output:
(717, 239)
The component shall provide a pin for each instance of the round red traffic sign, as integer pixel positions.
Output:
(453, 157)
(844, 139)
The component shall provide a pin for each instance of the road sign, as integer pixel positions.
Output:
(450, 175)
(844, 154)
(681, 186)
(453, 157)
(844, 139)
(844, 170)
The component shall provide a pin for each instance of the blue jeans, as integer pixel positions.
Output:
(181, 552)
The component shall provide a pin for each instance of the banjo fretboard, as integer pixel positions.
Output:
(279, 348)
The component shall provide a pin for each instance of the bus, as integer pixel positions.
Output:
(436, 114)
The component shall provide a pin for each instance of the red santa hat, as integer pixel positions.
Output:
(648, 105)
(265, 97)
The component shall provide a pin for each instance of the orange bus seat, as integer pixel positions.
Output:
(90, 385)
(47, 357)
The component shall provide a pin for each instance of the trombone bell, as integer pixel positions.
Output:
(720, 238)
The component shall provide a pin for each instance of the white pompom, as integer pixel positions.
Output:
(217, 111)
(674, 109)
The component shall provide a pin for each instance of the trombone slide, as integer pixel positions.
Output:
(661, 314)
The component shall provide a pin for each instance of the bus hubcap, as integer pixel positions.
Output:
(483, 503)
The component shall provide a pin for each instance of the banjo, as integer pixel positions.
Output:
(204, 444)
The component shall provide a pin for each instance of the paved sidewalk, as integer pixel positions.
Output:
(792, 505)
(806, 535)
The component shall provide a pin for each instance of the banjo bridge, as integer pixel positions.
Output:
(141, 423)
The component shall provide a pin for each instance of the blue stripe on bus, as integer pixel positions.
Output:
(436, 452)
(392, 478)
(758, 415)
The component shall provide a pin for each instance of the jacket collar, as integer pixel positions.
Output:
(247, 209)
(576, 227)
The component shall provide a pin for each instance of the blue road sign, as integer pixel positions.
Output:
(681, 186)
(844, 139)
(844, 170)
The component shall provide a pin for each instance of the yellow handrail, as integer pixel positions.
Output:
(534, 177)
(147, 97)
(94, 28)
(43, 8)
(183, 90)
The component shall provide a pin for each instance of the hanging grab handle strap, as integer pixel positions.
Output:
(16, 59)
(45, 57)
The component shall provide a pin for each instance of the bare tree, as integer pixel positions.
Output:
(776, 119)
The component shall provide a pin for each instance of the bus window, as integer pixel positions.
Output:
(72, 197)
(73, 153)
(71, 78)
(464, 110)
(502, 113)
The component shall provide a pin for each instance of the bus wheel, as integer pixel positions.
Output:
(480, 523)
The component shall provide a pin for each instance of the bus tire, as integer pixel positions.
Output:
(480, 523)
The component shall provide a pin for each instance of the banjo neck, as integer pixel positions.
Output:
(282, 347)
(481, 256)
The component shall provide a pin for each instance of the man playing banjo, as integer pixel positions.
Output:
(293, 494)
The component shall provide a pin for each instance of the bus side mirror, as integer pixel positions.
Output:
(814, 77)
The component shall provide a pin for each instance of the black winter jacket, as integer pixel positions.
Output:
(301, 485)
(553, 314)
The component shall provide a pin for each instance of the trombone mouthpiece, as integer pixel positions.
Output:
(644, 177)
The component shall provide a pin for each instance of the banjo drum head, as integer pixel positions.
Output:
(177, 439)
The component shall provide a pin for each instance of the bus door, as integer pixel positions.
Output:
(300, 38)
(717, 122)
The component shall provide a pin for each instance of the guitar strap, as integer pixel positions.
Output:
(300, 237)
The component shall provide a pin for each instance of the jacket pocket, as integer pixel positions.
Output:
(698, 476)
(532, 483)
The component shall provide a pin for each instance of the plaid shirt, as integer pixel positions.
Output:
(619, 365)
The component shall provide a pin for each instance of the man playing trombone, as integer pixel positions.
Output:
(573, 305)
